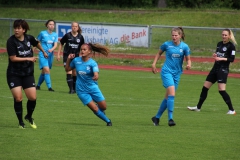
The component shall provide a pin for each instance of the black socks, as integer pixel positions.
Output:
(74, 81)
(227, 99)
(70, 81)
(203, 96)
(30, 108)
(18, 110)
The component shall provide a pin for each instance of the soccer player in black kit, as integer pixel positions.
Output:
(225, 53)
(20, 71)
(73, 41)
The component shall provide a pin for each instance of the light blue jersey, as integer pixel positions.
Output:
(172, 67)
(174, 56)
(87, 89)
(170, 75)
(47, 41)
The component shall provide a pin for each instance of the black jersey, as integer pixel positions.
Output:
(72, 44)
(20, 49)
(224, 51)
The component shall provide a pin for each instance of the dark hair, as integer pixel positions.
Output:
(50, 20)
(180, 32)
(98, 48)
(21, 23)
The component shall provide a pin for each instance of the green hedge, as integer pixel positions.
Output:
(204, 3)
(119, 3)
(232, 4)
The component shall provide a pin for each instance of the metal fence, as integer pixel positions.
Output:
(200, 39)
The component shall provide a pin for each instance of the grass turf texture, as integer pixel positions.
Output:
(69, 130)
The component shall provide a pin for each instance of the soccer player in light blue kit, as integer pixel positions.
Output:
(48, 40)
(171, 71)
(87, 75)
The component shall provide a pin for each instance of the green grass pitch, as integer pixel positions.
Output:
(69, 130)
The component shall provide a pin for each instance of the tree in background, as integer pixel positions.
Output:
(232, 4)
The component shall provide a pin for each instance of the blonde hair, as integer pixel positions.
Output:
(98, 48)
(232, 38)
(180, 32)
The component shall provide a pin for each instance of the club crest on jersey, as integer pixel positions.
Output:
(88, 68)
(78, 40)
(181, 50)
(28, 44)
(224, 48)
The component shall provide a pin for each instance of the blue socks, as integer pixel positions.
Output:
(162, 108)
(166, 104)
(40, 80)
(102, 116)
(47, 79)
(170, 106)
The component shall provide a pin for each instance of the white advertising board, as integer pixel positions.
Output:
(108, 34)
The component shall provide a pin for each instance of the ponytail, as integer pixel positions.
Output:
(98, 48)
(232, 38)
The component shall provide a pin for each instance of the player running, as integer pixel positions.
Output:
(87, 75)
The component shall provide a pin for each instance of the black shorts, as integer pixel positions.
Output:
(25, 82)
(219, 75)
(65, 60)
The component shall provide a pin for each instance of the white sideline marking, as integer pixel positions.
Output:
(111, 104)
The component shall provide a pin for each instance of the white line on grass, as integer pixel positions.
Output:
(209, 106)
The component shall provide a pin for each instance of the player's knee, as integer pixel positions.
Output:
(46, 69)
(102, 105)
(18, 99)
(33, 99)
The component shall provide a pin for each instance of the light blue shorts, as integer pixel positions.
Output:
(169, 79)
(95, 96)
(45, 62)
